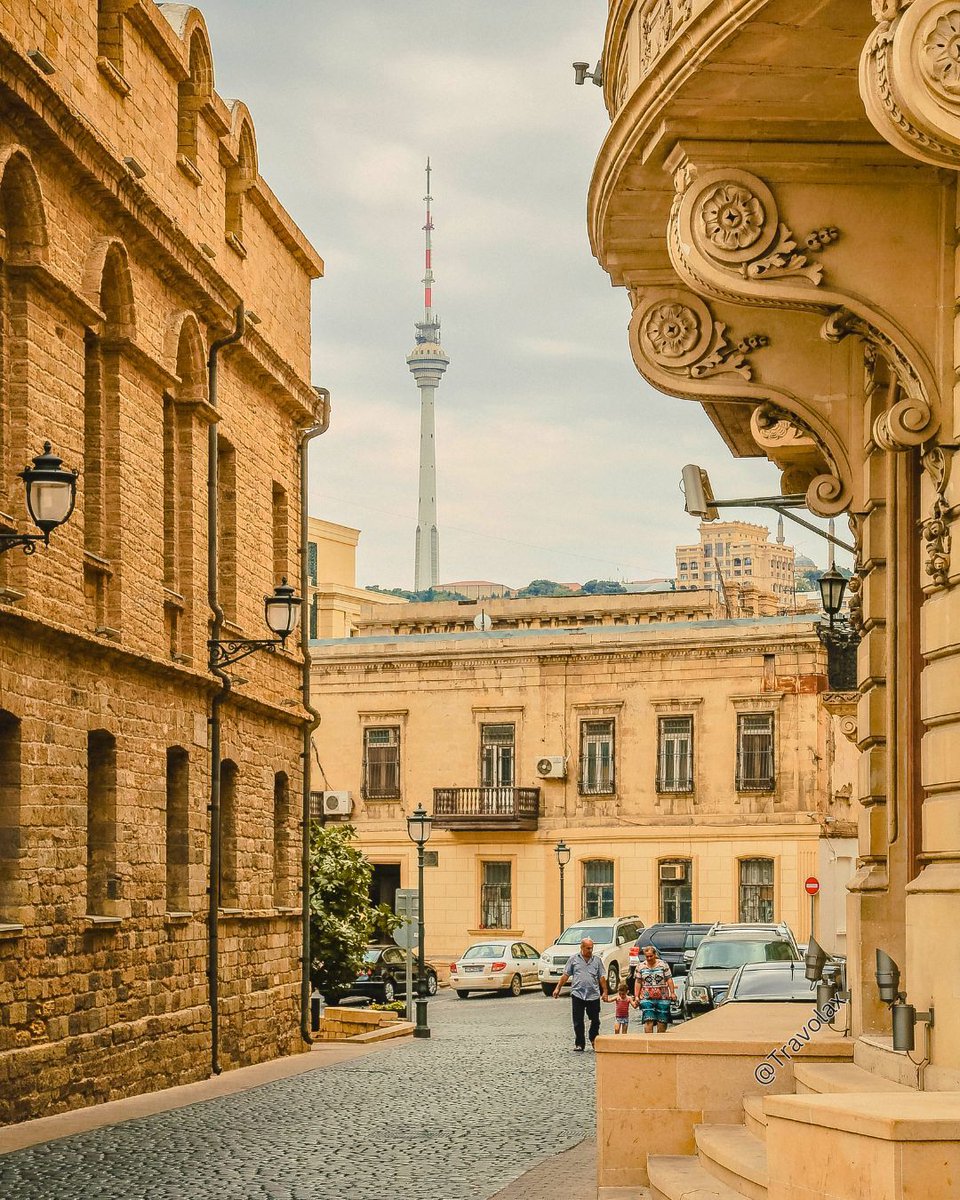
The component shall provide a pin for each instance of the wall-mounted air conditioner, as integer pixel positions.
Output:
(553, 767)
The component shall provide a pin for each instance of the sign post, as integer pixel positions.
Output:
(405, 935)
(811, 886)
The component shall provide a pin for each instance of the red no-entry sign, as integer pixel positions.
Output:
(812, 885)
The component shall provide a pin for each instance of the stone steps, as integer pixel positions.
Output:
(824, 1079)
(754, 1118)
(732, 1155)
(682, 1177)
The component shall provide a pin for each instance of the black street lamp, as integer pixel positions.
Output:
(281, 612)
(563, 853)
(51, 493)
(832, 587)
(419, 825)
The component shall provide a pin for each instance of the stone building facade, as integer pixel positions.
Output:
(737, 551)
(691, 764)
(134, 223)
(777, 196)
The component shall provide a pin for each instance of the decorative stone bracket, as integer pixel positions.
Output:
(936, 528)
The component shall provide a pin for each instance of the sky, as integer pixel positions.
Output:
(555, 459)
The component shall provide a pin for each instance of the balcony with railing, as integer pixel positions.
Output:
(486, 807)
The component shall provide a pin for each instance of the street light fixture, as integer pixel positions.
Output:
(51, 493)
(832, 587)
(419, 827)
(281, 612)
(563, 853)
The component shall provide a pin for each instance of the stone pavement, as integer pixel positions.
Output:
(567, 1176)
(493, 1094)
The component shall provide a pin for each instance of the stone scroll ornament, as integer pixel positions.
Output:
(910, 78)
(936, 527)
(726, 227)
(784, 436)
(679, 335)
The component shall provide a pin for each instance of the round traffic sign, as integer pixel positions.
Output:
(812, 885)
(405, 935)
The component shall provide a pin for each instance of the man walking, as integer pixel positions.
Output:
(588, 985)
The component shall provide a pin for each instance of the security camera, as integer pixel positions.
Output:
(582, 72)
(815, 960)
(697, 493)
(888, 978)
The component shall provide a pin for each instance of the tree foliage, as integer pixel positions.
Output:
(430, 595)
(342, 917)
(603, 587)
(544, 587)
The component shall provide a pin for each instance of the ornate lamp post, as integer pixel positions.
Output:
(832, 587)
(563, 853)
(419, 825)
(281, 612)
(51, 492)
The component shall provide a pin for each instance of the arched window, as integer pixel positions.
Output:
(229, 883)
(192, 94)
(239, 179)
(10, 818)
(178, 829)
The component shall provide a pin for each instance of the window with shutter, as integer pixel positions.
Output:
(381, 763)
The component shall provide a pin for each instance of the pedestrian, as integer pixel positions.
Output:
(588, 987)
(654, 990)
(621, 1015)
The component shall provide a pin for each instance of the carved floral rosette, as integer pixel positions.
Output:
(910, 79)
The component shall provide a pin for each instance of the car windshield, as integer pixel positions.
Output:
(371, 956)
(717, 953)
(576, 933)
(767, 985)
(486, 950)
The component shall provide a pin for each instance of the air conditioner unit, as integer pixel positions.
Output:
(554, 767)
(673, 872)
(337, 804)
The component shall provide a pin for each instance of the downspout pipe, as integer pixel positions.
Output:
(216, 631)
(313, 719)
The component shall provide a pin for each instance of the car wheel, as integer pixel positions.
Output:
(463, 995)
(547, 989)
(389, 991)
(516, 985)
(431, 983)
(613, 977)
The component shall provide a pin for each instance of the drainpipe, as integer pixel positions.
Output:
(313, 720)
(213, 598)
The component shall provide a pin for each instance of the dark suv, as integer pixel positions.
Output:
(671, 941)
(723, 951)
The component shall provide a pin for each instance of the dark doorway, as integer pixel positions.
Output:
(384, 884)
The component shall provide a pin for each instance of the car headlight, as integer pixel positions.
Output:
(698, 994)
(544, 958)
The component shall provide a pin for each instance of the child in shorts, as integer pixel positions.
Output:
(621, 1015)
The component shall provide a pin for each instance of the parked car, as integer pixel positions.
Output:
(670, 940)
(770, 982)
(612, 939)
(384, 975)
(495, 966)
(723, 951)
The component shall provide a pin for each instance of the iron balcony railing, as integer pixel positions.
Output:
(478, 807)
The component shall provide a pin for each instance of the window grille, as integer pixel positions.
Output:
(676, 894)
(597, 888)
(675, 754)
(381, 763)
(755, 765)
(596, 758)
(756, 889)
(496, 905)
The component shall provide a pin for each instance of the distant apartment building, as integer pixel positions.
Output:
(695, 765)
(737, 552)
(335, 601)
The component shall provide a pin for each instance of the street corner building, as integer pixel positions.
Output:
(777, 196)
(134, 230)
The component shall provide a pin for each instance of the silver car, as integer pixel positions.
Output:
(495, 966)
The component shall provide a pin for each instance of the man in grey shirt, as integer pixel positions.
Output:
(588, 987)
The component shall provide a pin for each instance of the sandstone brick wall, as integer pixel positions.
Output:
(111, 289)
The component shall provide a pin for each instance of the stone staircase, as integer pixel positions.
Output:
(731, 1160)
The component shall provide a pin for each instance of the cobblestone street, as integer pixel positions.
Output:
(495, 1091)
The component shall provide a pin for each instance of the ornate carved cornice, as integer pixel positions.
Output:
(910, 78)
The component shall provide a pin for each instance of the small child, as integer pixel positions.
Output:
(621, 1016)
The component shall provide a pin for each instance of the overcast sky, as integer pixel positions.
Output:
(555, 459)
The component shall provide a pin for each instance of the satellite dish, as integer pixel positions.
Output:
(482, 621)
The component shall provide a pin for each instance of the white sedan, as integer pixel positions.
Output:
(495, 966)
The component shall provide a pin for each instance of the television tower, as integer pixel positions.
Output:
(427, 363)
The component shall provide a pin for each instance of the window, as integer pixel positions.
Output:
(227, 510)
(755, 769)
(101, 821)
(497, 751)
(10, 817)
(676, 891)
(597, 888)
(229, 776)
(312, 562)
(281, 533)
(675, 754)
(707, 551)
(496, 908)
(110, 33)
(283, 841)
(381, 764)
(192, 94)
(177, 830)
(239, 180)
(596, 758)
(756, 889)
(314, 616)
